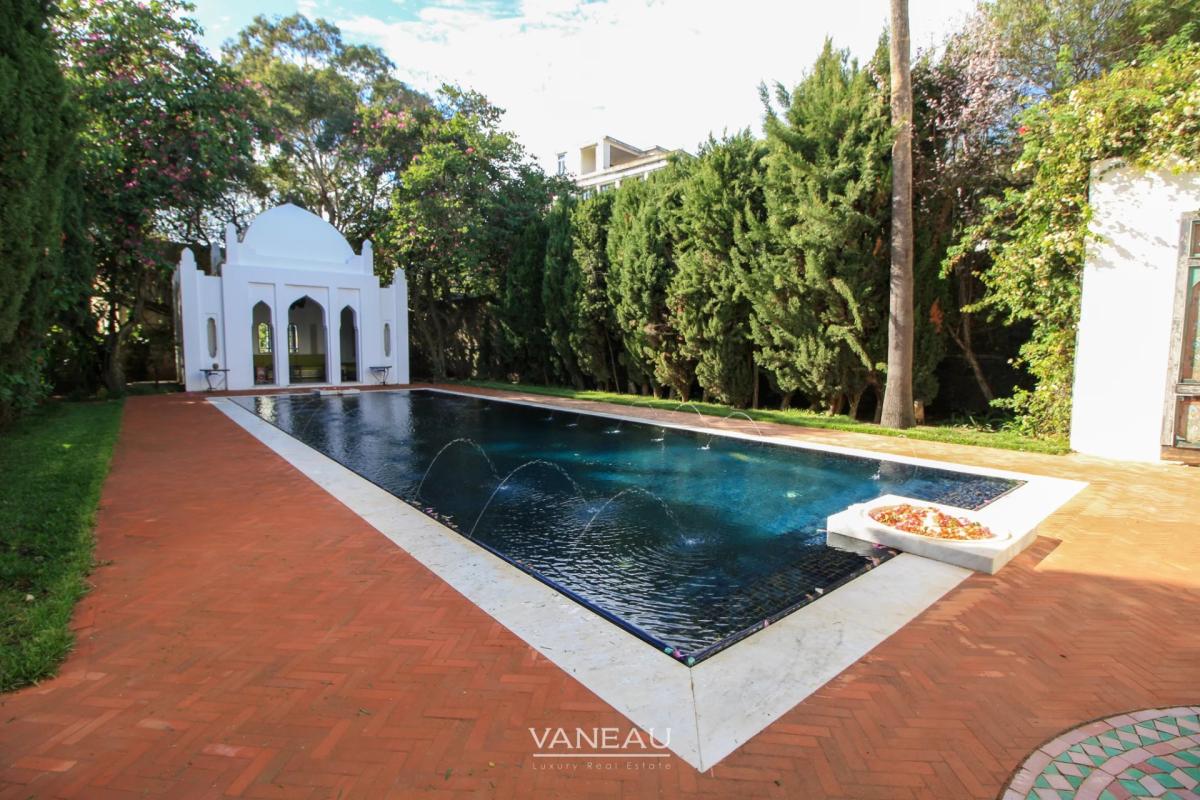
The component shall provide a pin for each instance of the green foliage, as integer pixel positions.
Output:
(820, 293)
(456, 212)
(342, 123)
(54, 462)
(36, 153)
(165, 134)
(557, 300)
(636, 288)
(641, 250)
(1145, 114)
(756, 255)
(723, 202)
(968, 434)
(931, 297)
(528, 351)
(1049, 45)
(585, 286)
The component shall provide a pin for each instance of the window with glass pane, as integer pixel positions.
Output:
(263, 333)
(1190, 360)
(1187, 422)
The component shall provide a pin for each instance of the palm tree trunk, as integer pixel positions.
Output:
(898, 395)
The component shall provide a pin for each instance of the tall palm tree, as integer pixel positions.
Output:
(898, 396)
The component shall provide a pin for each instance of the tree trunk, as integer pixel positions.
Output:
(120, 326)
(962, 336)
(963, 340)
(898, 397)
(616, 381)
(754, 402)
(114, 363)
(433, 332)
(855, 400)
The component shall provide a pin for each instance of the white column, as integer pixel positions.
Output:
(333, 336)
(280, 346)
(192, 329)
(400, 334)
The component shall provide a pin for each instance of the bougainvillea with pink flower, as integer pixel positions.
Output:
(165, 131)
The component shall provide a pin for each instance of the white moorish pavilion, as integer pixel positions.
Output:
(291, 304)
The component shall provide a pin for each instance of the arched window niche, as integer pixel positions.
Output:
(211, 330)
(262, 344)
(348, 344)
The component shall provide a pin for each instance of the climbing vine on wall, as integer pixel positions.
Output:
(1145, 114)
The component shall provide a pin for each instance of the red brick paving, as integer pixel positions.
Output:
(252, 637)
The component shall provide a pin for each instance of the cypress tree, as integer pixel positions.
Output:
(527, 348)
(556, 297)
(634, 287)
(36, 147)
(820, 293)
(722, 202)
(641, 252)
(591, 318)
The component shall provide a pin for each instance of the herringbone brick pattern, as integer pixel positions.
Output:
(248, 636)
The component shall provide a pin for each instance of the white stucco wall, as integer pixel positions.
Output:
(1127, 309)
(287, 254)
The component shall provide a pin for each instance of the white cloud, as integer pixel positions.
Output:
(646, 71)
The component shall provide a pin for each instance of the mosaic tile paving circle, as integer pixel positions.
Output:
(1152, 753)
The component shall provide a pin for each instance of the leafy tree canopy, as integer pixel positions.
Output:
(165, 134)
(1037, 232)
(1048, 45)
(326, 101)
(456, 213)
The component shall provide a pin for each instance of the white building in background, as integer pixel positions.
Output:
(604, 164)
(291, 304)
(1137, 361)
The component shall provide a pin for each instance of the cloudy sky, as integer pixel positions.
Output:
(664, 72)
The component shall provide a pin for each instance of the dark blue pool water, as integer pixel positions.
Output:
(688, 540)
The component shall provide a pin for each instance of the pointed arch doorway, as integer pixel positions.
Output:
(306, 342)
(348, 341)
(262, 344)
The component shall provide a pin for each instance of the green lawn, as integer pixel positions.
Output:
(52, 465)
(956, 434)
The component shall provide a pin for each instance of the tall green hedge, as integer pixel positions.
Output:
(36, 143)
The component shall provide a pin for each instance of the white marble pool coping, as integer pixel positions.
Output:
(718, 705)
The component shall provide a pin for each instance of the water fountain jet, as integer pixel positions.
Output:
(447, 446)
(501, 485)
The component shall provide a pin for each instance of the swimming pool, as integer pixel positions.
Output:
(686, 539)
